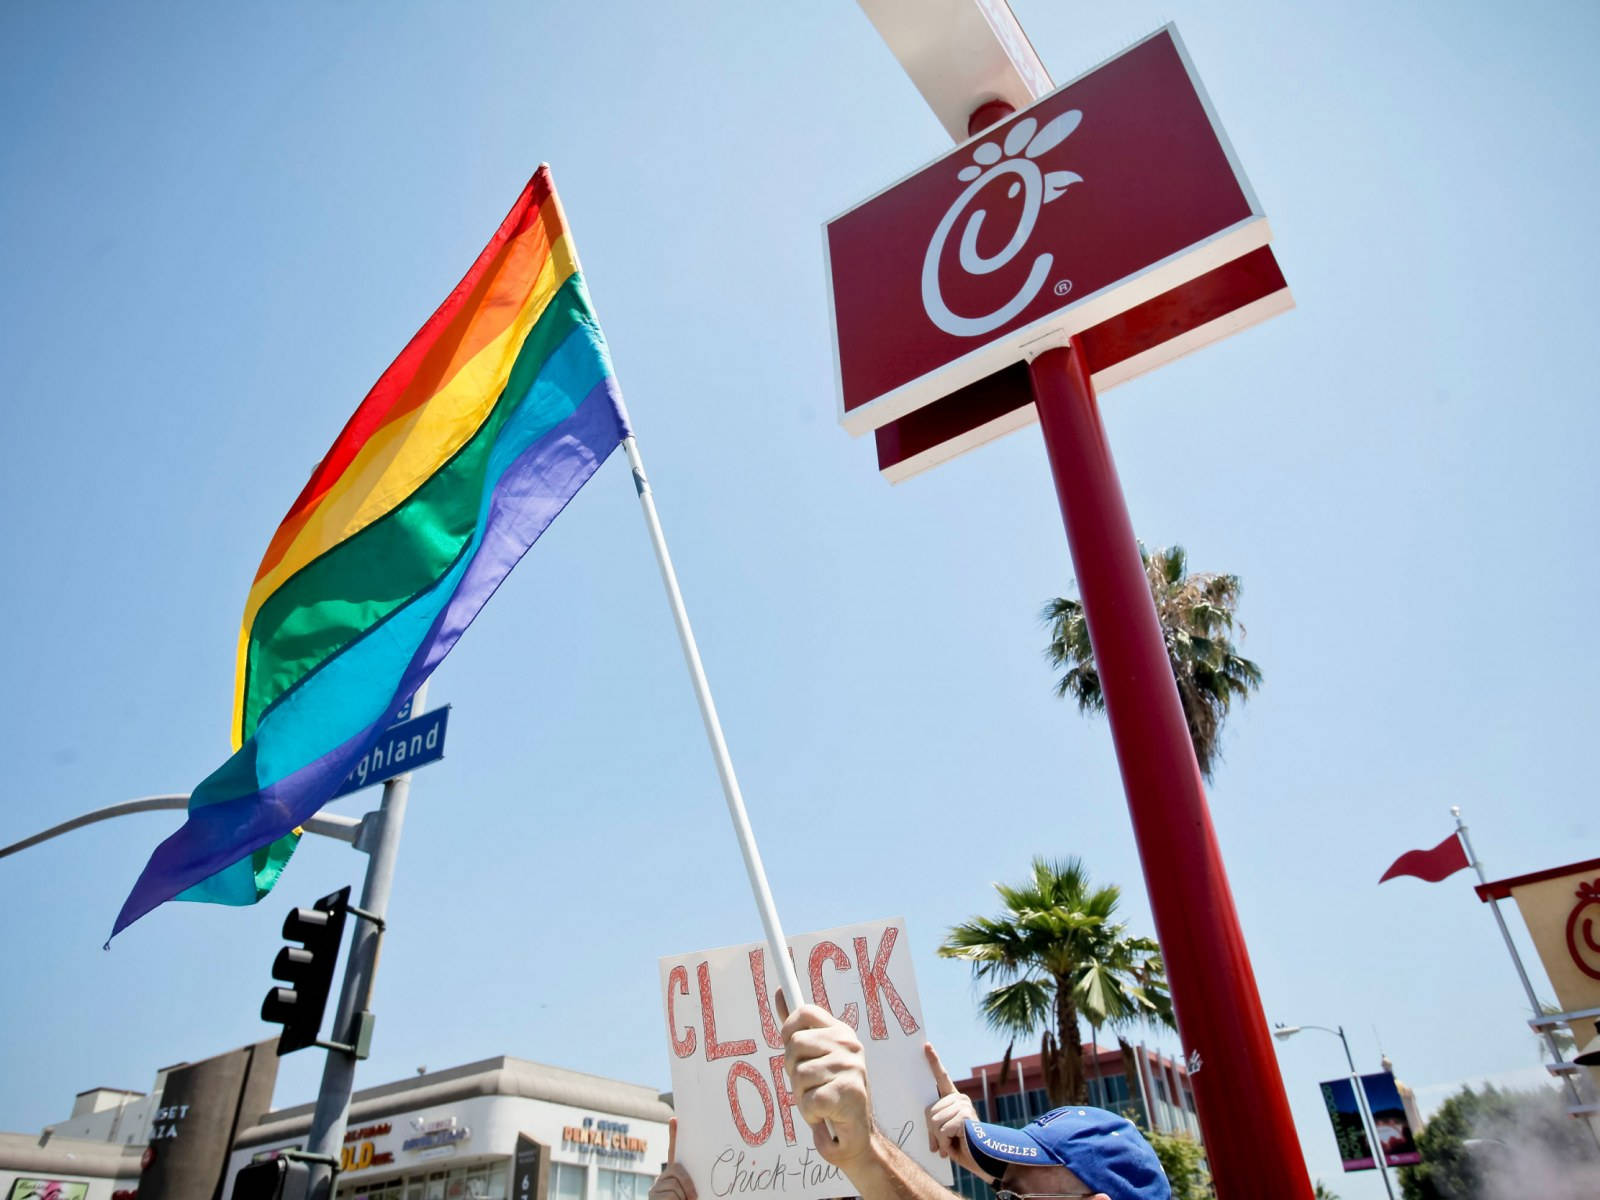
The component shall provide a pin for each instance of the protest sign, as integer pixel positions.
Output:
(739, 1133)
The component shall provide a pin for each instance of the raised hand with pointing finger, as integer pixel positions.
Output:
(673, 1183)
(948, 1116)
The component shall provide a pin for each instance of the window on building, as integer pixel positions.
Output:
(970, 1186)
(568, 1181)
(486, 1182)
(621, 1185)
(1038, 1103)
(381, 1189)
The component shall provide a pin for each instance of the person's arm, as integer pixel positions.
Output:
(828, 1076)
(887, 1172)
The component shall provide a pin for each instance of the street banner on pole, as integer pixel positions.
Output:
(738, 1128)
(1355, 1151)
(1396, 1142)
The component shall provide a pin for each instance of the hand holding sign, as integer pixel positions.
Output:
(948, 1117)
(737, 1081)
(827, 1068)
(673, 1183)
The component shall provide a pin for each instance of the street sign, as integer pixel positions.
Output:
(413, 743)
(1107, 194)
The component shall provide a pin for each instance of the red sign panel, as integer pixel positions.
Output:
(1223, 301)
(1109, 193)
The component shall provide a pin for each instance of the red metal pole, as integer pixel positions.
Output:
(1244, 1114)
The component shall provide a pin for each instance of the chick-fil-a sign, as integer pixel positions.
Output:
(739, 1132)
(1108, 192)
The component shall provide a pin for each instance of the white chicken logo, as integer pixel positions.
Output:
(1022, 146)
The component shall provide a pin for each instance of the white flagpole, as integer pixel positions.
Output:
(776, 945)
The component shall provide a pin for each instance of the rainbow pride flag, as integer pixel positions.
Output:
(468, 446)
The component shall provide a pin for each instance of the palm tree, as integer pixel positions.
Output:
(1197, 618)
(1055, 954)
(1125, 990)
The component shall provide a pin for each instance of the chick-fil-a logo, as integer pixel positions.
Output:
(1024, 143)
(1581, 942)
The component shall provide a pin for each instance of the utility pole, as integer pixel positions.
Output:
(352, 1022)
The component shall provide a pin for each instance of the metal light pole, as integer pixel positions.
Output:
(378, 835)
(380, 839)
(1368, 1122)
(327, 824)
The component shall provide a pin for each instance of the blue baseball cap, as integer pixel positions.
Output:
(1104, 1150)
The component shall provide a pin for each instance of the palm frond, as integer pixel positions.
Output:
(1020, 1007)
(1198, 620)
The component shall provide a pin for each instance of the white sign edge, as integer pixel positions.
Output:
(1249, 233)
(1225, 326)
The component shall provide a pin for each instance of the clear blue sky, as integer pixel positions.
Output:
(218, 225)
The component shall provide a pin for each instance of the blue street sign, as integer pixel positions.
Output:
(409, 744)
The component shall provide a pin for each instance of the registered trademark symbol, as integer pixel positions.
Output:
(1063, 286)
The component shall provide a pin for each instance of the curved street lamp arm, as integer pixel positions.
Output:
(328, 824)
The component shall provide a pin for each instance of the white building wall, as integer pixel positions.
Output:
(493, 1123)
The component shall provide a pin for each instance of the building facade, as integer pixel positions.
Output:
(1158, 1097)
(498, 1129)
(489, 1130)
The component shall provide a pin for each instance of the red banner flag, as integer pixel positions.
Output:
(1448, 857)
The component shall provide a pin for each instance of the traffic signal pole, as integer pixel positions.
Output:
(381, 842)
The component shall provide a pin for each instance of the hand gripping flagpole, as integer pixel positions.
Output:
(776, 945)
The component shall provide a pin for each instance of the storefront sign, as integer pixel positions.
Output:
(1107, 193)
(530, 1170)
(47, 1189)
(363, 1155)
(737, 1129)
(447, 1136)
(605, 1138)
(1561, 908)
(203, 1107)
(164, 1125)
(1349, 1130)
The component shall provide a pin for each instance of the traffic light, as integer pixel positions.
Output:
(308, 972)
(274, 1179)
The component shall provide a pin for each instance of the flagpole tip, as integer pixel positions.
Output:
(1455, 811)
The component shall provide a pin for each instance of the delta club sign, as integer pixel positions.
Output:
(1114, 208)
